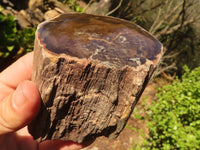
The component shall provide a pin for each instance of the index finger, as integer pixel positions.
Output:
(17, 72)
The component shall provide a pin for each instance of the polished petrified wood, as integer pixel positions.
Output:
(91, 71)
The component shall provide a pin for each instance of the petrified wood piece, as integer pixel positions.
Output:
(91, 71)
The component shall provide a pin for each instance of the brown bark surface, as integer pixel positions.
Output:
(91, 72)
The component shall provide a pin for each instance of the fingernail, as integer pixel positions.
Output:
(18, 97)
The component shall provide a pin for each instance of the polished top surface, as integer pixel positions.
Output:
(110, 40)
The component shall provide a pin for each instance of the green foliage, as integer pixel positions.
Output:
(26, 38)
(73, 5)
(7, 34)
(174, 120)
(131, 127)
(12, 40)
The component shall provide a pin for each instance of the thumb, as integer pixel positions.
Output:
(19, 108)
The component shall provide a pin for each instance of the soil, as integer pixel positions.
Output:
(131, 136)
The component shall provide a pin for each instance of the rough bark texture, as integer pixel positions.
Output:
(87, 95)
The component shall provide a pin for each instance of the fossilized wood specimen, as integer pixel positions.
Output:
(91, 71)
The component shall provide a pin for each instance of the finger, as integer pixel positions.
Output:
(25, 141)
(19, 71)
(59, 145)
(19, 108)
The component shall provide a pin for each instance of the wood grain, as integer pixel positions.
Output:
(91, 71)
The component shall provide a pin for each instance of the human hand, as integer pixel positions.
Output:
(19, 104)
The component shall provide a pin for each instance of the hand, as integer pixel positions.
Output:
(19, 104)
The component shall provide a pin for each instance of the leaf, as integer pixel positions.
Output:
(10, 48)
(174, 121)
